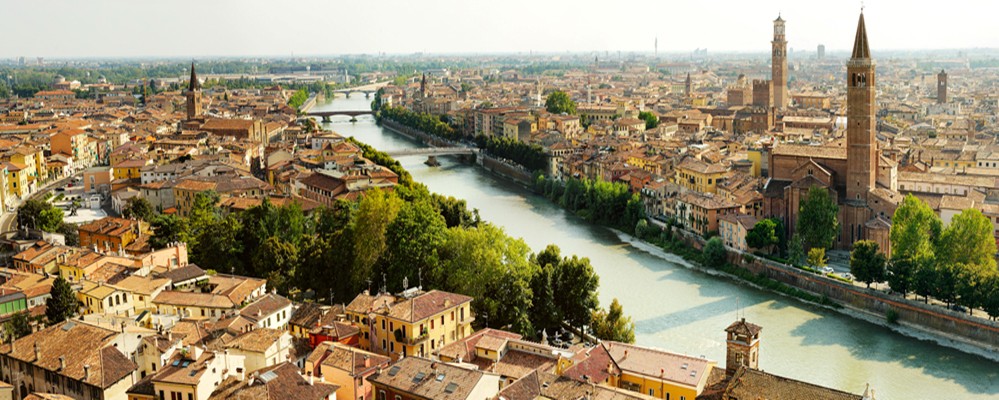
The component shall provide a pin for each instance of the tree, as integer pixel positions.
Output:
(611, 324)
(968, 240)
(219, 245)
(796, 250)
(818, 222)
(167, 228)
(371, 220)
(138, 207)
(900, 275)
(18, 326)
(714, 253)
(923, 279)
(817, 257)
(972, 285)
(278, 258)
(544, 314)
(50, 219)
(575, 284)
(915, 230)
(651, 120)
(991, 304)
(70, 233)
(29, 213)
(763, 235)
(559, 102)
(867, 264)
(413, 239)
(62, 304)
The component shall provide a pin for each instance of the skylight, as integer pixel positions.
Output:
(419, 377)
(393, 371)
(451, 387)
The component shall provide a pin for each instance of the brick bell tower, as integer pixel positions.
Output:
(193, 96)
(861, 124)
(779, 65)
(742, 346)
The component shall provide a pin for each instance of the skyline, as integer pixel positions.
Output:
(252, 28)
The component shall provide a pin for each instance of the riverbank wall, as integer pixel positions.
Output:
(910, 317)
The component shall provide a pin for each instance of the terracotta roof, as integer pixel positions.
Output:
(80, 345)
(191, 299)
(741, 327)
(264, 306)
(428, 379)
(111, 226)
(541, 385)
(257, 340)
(749, 383)
(465, 348)
(658, 364)
(354, 361)
(183, 274)
(278, 382)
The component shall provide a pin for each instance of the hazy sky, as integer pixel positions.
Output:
(112, 28)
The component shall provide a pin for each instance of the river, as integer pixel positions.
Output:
(686, 311)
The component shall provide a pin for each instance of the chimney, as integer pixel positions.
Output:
(38, 354)
(312, 379)
(367, 362)
(62, 363)
(86, 372)
(12, 348)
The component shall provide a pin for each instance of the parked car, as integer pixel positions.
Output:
(827, 270)
(958, 308)
(846, 275)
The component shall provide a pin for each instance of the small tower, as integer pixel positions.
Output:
(423, 86)
(942, 87)
(743, 346)
(687, 86)
(193, 96)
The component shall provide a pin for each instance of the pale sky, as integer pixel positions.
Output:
(198, 28)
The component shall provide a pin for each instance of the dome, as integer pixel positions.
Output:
(60, 79)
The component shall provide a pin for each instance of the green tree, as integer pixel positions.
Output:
(991, 303)
(763, 235)
(915, 230)
(29, 213)
(817, 257)
(901, 274)
(18, 326)
(714, 253)
(71, 234)
(651, 120)
(219, 245)
(867, 264)
(138, 207)
(544, 313)
(413, 239)
(972, 285)
(62, 304)
(279, 258)
(818, 221)
(924, 279)
(576, 284)
(796, 250)
(559, 102)
(50, 219)
(374, 214)
(611, 324)
(968, 240)
(167, 228)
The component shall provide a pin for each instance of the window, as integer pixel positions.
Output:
(652, 392)
(381, 395)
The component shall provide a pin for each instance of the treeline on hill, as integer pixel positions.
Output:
(598, 201)
(529, 156)
(385, 239)
(298, 99)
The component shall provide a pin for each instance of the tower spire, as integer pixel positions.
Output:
(861, 50)
(193, 84)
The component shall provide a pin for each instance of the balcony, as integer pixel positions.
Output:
(400, 337)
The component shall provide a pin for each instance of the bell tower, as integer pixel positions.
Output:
(779, 65)
(942, 87)
(193, 96)
(742, 346)
(861, 123)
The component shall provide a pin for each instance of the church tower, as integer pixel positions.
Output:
(779, 65)
(942, 87)
(861, 124)
(742, 346)
(687, 85)
(193, 96)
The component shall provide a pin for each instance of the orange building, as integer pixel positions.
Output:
(109, 233)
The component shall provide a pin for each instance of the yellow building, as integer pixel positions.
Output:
(17, 180)
(129, 169)
(33, 161)
(99, 298)
(699, 176)
(413, 324)
(658, 373)
(756, 157)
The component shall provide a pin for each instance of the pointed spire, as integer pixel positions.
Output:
(861, 50)
(193, 84)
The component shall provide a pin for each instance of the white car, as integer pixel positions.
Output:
(846, 275)
(827, 270)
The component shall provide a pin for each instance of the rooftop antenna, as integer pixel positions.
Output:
(419, 276)
(369, 285)
(384, 283)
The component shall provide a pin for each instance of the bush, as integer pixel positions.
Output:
(714, 253)
(891, 316)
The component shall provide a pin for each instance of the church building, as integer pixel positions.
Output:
(864, 182)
